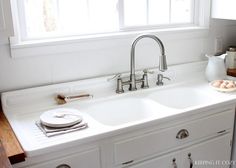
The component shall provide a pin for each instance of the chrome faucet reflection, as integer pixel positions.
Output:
(144, 80)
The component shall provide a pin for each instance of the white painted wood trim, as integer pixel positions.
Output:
(104, 41)
(6, 25)
(72, 45)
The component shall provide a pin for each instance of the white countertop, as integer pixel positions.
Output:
(23, 107)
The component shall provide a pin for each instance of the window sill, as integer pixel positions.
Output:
(96, 42)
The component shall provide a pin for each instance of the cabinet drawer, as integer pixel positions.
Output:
(155, 142)
(84, 159)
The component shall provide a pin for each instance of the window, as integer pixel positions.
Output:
(40, 19)
(157, 12)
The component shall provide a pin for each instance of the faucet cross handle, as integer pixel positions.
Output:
(116, 76)
(119, 82)
(160, 78)
(145, 78)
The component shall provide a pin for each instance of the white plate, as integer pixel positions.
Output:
(223, 89)
(61, 117)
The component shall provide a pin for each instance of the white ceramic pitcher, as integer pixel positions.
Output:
(215, 69)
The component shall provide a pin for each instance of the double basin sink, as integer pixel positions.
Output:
(147, 104)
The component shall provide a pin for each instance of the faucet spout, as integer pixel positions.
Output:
(162, 58)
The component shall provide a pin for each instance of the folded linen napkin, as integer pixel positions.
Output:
(50, 131)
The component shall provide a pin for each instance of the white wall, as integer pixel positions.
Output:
(17, 73)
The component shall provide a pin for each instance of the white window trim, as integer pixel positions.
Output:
(105, 41)
(6, 27)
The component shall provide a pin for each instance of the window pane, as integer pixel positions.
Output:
(73, 16)
(45, 18)
(40, 16)
(135, 12)
(159, 11)
(103, 15)
(181, 11)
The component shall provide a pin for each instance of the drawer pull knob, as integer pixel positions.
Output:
(174, 163)
(63, 166)
(182, 134)
(190, 160)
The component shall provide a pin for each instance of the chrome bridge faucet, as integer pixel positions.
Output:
(162, 58)
(144, 80)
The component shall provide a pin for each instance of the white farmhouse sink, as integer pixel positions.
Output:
(180, 97)
(122, 111)
(144, 105)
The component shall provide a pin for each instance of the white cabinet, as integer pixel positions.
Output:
(86, 159)
(224, 9)
(203, 139)
(135, 148)
(213, 153)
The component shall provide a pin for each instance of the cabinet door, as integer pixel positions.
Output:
(214, 153)
(171, 160)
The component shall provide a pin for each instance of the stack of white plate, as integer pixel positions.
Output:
(61, 117)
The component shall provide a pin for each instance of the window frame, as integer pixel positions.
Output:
(19, 48)
(194, 20)
(22, 22)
